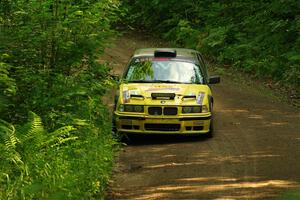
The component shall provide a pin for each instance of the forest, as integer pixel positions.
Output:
(55, 137)
(257, 37)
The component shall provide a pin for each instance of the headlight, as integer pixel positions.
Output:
(138, 108)
(131, 108)
(191, 109)
(121, 108)
(186, 109)
(128, 108)
(200, 98)
(197, 109)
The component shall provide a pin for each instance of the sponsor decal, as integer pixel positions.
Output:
(157, 89)
(143, 59)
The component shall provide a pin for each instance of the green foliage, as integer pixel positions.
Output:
(48, 64)
(49, 39)
(37, 164)
(259, 37)
(183, 34)
(290, 195)
(56, 35)
(7, 85)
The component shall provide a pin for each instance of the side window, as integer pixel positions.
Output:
(202, 63)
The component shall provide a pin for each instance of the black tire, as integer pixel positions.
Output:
(210, 134)
(114, 127)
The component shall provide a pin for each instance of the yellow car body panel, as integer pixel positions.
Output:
(181, 123)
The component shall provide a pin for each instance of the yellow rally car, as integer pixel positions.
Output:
(165, 91)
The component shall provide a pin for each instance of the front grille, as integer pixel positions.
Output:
(170, 111)
(162, 127)
(160, 110)
(155, 110)
(188, 128)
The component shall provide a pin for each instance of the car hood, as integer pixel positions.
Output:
(144, 93)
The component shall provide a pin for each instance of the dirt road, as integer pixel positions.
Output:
(255, 153)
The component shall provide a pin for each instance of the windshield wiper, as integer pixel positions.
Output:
(168, 81)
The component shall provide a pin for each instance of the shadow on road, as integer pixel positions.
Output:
(137, 140)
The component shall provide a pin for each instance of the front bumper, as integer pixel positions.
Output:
(145, 124)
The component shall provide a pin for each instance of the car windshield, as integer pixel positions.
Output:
(163, 71)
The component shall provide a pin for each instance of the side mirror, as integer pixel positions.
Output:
(214, 79)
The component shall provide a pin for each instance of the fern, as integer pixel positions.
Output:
(59, 136)
(5, 127)
(33, 132)
(8, 136)
(26, 152)
(60, 141)
(17, 144)
(11, 141)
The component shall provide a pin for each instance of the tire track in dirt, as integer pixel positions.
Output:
(254, 154)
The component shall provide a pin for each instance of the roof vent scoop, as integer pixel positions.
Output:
(165, 53)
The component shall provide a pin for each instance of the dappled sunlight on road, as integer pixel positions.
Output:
(264, 117)
(200, 186)
(255, 117)
(211, 160)
(206, 179)
(277, 123)
(174, 164)
(234, 111)
(208, 183)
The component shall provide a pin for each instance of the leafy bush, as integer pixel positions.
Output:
(7, 87)
(71, 162)
(36, 164)
(261, 38)
(49, 51)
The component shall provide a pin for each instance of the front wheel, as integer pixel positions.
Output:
(210, 134)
